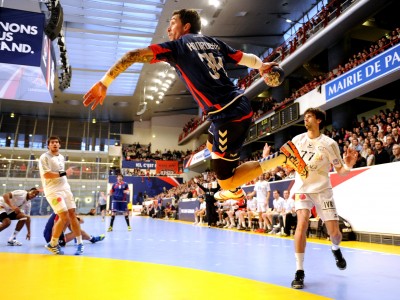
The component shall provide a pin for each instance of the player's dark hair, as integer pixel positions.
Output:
(319, 115)
(33, 189)
(190, 16)
(53, 138)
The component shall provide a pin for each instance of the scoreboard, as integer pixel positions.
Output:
(271, 124)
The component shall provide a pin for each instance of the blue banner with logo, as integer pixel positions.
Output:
(139, 164)
(380, 65)
(21, 37)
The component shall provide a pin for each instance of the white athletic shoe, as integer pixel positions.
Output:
(14, 242)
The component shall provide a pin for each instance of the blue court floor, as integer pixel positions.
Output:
(260, 259)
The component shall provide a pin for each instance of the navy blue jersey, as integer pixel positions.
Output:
(200, 62)
(117, 191)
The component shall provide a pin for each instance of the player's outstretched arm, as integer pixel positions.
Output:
(98, 91)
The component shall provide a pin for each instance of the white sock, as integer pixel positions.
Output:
(14, 235)
(299, 261)
(79, 239)
(335, 247)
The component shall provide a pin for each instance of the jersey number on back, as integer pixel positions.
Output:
(213, 64)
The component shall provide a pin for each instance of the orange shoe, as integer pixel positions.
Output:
(228, 195)
(294, 159)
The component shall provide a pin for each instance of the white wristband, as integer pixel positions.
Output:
(251, 61)
(106, 80)
(346, 167)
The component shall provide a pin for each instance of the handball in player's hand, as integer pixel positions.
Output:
(274, 77)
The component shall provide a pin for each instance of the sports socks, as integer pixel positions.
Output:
(14, 235)
(112, 221)
(299, 261)
(127, 220)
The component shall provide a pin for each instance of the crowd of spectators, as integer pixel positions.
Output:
(142, 152)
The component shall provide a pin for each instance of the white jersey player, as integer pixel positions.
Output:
(16, 205)
(58, 194)
(319, 153)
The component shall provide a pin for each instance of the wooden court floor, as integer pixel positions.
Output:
(162, 259)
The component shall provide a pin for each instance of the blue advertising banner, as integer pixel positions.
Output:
(21, 37)
(139, 164)
(151, 185)
(187, 208)
(380, 65)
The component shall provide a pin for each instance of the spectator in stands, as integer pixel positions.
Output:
(396, 153)
(200, 212)
(389, 146)
(273, 215)
(288, 218)
(396, 136)
(361, 161)
(370, 157)
(170, 211)
(262, 192)
(381, 155)
(355, 145)
(251, 212)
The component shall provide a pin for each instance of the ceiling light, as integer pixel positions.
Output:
(158, 102)
(169, 81)
(12, 115)
(172, 76)
(241, 14)
(289, 21)
(162, 74)
(215, 3)
(164, 89)
(164, 85)
(157, 81)
(94, 121)
(204, 22)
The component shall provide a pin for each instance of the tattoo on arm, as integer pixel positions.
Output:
(131, 57)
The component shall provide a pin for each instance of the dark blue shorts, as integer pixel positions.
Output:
(228, 134)
(119, 205)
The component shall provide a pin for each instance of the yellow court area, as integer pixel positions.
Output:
(71, 277)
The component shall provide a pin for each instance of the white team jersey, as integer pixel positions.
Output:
(262, 188)
(289, 205)
(278, 204)
(252, 204)
(319, 154)
(19, 200)
(53, 163)
(203, 205)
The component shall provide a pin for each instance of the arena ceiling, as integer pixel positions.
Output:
(98, 32)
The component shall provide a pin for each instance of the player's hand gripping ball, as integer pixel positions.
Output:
(274, 76)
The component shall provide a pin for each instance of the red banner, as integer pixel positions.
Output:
(166, 167)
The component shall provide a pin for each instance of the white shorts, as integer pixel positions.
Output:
(323, 202)
(261, 207)
(61, 201)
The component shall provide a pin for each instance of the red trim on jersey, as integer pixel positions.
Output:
(249, 115)
(157, 49)
(236, 56)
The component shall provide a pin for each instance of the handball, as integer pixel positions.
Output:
(274, 76)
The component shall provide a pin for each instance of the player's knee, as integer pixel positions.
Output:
(224, 171)
(6, 222)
